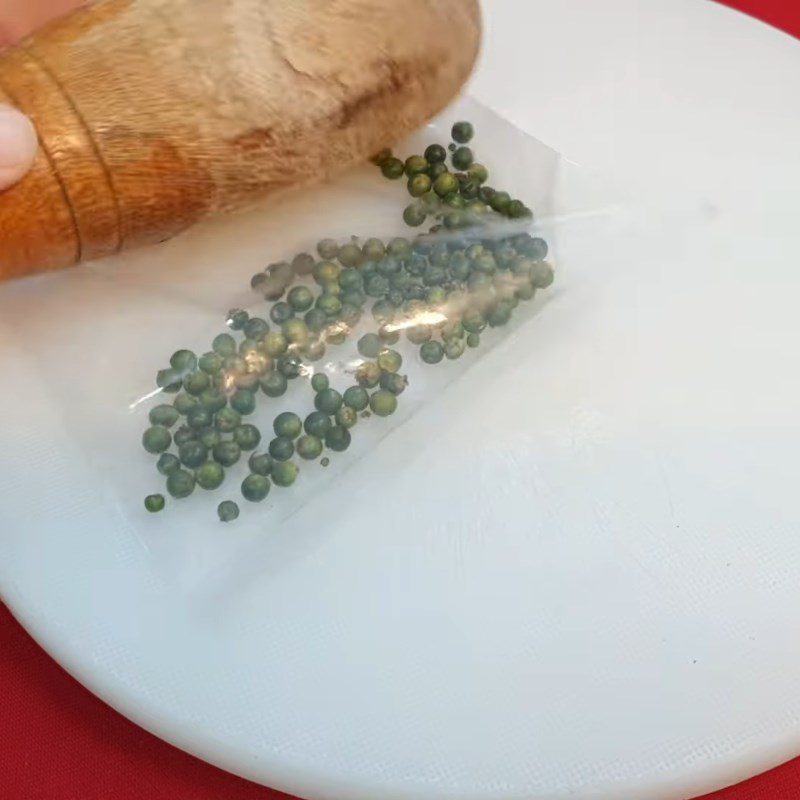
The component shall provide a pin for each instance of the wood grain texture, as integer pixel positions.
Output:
(153, 114)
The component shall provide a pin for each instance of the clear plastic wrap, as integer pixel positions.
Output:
(466, 289)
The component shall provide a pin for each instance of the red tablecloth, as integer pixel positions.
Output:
(59, 742)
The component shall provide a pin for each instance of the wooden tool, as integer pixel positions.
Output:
(154, 114)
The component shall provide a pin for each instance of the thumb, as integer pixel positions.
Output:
(18, 145)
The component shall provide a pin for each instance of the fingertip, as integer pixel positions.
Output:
(18, 145)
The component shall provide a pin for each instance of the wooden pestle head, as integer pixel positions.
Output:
(154, 114)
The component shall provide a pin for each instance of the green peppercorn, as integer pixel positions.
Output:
(394, 383)
(228, 511)
(270, 286)
(295, 331)
(289, 366)
(317, 424)
(281, 271)
(303, 264)
(313, 350)
(284, 473)
(275, 344)
(500, 201)
(355, 299)
(234, 365)
(196, 383)
(281, 448)
(248, 437)
(281, 312)
(485, 263)
(368, 374)
(250, 349)
(499, 314)
(274, 384)
(445, 184)
(462, 132)
(399, 247)
(381, 156)
(180, 483)
(328, 249)
(327, 273)
(226, 453)
(350, 255)
(462, 158)
(453, 329)
(328, 401)
(454, 220)
(392, 168)
(210, 437)
(154, 503)
(431, 352)
(473, 321)
(156, 440)
(184, 434)
(418, 186)
(525, 291)
(338, 439)
(319, 381)
(454, 348)
(199, 417)
(414, 215)
(256, 328)
(167, 463)
(336, 334)
(224, 345)
(309, 447)
(418, 334)
(351, 279)
(193, 454)
(169, 380)
(473, 339)
(255, 488)
(212, 399)
(478, 173)
(316, 320)
(415, 165)
(209, 476)
(383, 403)
(369, 345)
(260, 463)
(227, 420)
(542, 275)
(183, 361)
(210, 363)
(376, 286)
(435, 153)
(164, 415)
(374, 249)
(436, 296)
(388, 335)
(329, 304)
(382, 311)
(288, 424)
(435, 170)
(390, 360)
(486, 193)
(350, 315)
(356, 397)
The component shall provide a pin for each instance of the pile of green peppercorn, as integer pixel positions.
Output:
(439, 292)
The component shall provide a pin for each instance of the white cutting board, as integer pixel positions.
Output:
(575, 574)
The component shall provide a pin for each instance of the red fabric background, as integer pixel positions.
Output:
(59, 742)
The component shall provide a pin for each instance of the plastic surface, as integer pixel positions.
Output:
(178, 308)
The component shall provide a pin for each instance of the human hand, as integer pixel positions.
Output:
(18, 142)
